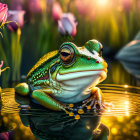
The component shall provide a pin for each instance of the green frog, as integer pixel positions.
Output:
(67, 76)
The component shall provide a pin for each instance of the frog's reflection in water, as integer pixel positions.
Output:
(47, 124)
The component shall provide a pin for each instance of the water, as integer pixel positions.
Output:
(122, 118)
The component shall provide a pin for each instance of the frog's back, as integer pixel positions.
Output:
(42, 62)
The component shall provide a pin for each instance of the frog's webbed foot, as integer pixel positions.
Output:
(95, 101)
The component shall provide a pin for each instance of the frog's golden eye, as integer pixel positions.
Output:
(67, 54)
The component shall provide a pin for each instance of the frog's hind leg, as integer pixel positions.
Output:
(22, 89)
(44, 98)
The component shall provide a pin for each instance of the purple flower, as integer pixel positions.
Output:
(56, 11)
(67, 24)
(3, 12)
(17, 18)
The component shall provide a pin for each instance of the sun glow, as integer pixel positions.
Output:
(102, 2)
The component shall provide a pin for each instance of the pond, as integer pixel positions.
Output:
(26, 120)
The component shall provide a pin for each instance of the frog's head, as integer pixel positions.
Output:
(82, 67)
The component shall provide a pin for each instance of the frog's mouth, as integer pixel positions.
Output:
(79, 74)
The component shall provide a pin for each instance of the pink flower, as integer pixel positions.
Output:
(4, 136)
(35, 6)
(86, 8)
(138, 4)
(127, 4)
(56, 11)
(3, 12)
(1, 64)
(17, 17)
(67, 24)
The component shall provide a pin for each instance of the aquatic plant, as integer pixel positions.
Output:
(15, 23)
(11, 52)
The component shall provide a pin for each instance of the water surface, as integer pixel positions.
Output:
(121, 118)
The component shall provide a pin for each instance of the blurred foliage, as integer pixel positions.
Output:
(114, 23)
(111, 24)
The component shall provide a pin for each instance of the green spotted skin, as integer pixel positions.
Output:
(39, 74)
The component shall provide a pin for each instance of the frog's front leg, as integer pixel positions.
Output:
(95, 101)
(44, 98)
(98, 95)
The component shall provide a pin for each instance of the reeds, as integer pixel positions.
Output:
(11, 53)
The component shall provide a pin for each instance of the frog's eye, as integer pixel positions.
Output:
(67, 54)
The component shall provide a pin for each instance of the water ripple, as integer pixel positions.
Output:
(124, 100)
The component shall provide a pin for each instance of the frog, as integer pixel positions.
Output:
(67, 76)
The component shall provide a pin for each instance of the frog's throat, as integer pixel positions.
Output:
(76, 86)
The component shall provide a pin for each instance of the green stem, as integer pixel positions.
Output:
(16, 54)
